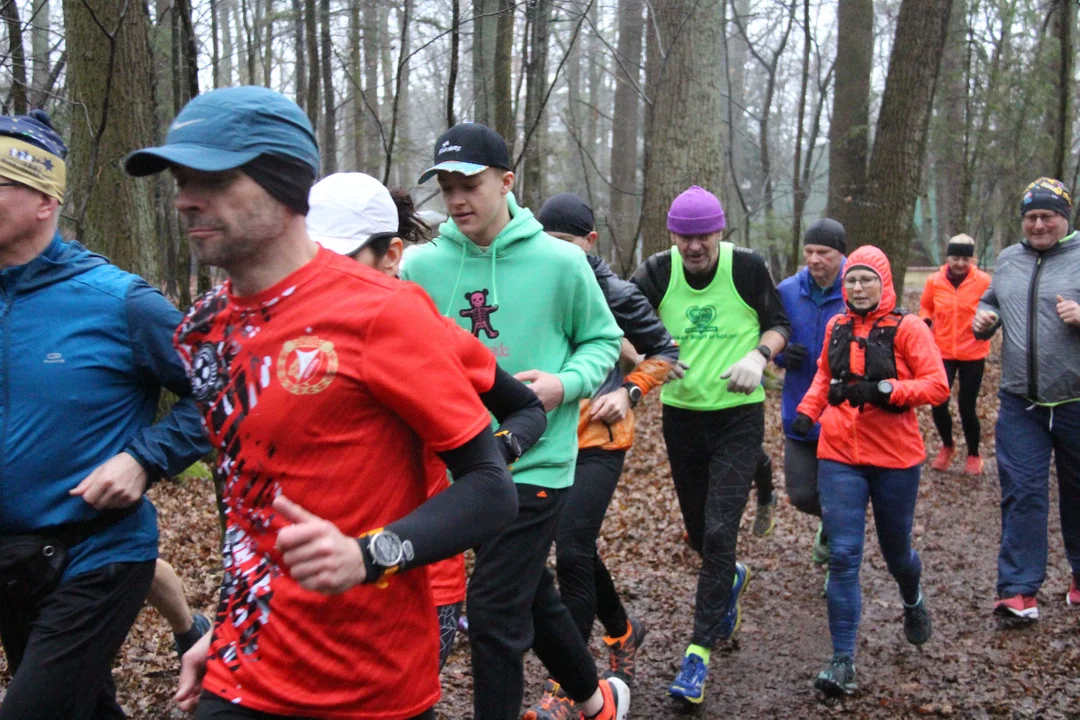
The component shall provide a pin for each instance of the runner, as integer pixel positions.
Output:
(318, 379)
(355, 215)
(811, 297)
(167, 597)
(878, 363)
(87, 350)
(1033, 297)
(721, 306)
(534, 302)
(948, 306)
(605, 433)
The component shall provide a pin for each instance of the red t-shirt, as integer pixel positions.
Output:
(447, 577)
(326, 388)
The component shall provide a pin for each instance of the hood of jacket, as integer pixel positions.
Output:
(873, 258)
(59, 261)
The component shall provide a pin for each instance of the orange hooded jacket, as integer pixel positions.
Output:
(952, 310)
(872, 435)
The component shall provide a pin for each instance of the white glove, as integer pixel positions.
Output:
(745, 375)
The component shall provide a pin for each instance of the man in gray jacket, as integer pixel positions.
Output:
(1033, 296)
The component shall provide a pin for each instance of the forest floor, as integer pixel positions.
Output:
(973, 667)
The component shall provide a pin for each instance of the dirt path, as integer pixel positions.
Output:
(972, 668)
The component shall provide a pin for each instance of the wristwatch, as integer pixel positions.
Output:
(764, 350)
(634, 391)
(511, 446)
(387, 552)
(885, 387)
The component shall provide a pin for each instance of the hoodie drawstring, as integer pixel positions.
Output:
(494, 283)
(457, 281)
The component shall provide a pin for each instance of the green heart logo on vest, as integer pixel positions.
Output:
(701, 316)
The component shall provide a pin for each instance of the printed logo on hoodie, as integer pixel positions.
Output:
(479, 312)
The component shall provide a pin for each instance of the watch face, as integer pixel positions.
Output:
(635, 393)
(386, 549)
(884, 386)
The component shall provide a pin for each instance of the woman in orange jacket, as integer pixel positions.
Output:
(876, 365)
(948, 306)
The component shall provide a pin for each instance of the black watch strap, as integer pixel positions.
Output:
(634, 391)
(764, 350)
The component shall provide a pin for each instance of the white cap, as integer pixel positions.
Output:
(347, 209)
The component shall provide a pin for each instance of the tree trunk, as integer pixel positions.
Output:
(685, 139)
(1064, 24)
(484, 30)
(311, 37)
(849, 131)
(950, 133)
(215, 47)
(268, 44)
(18, 58)
(112, 76)
(900, 139)
(400, 115)
(503, 74)
(300, 54)
(356, 69)
(737, 52)
(455, 49)
(799, 192)
(329, 130)
(626, 124)
(243, 40)
(40, 48)
(532, 187)
(225, 20)
(373, 152)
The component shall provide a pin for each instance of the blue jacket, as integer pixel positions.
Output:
(85, 349)
(808, 323)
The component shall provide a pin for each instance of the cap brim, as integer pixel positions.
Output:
(196, 157)
(452, 166)
(342, 246)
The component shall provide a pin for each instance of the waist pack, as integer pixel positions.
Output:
(32, 564)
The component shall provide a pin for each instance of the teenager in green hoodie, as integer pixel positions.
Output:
(534, 301)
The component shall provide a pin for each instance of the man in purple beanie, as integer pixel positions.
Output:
(720, 304)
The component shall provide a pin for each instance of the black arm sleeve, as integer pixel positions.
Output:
(480, 503)
(653, 277)
(757, 289)
(516, 407)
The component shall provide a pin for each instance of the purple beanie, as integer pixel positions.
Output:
(695, 212)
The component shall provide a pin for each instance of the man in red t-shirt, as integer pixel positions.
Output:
(320, 383)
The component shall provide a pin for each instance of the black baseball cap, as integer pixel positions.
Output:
(468, 148)
(567, 213)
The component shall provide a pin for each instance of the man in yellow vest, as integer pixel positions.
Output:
(721, 306)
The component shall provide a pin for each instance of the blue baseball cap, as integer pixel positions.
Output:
(226, 128)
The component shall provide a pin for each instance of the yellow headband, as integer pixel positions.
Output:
(30, 165)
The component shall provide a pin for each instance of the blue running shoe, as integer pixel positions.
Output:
(689, 684)
(733, 617)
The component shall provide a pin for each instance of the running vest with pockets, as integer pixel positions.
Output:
(878, 347)
(714, 328)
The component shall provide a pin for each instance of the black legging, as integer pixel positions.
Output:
(971, 375)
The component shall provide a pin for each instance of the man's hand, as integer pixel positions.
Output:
(611, 407)
(802, 424)
(192, 670)
(546, 386)
(677, 372)
(1068, 311)
(745, 375)
(795, 354)
(118, 483)
(317, 555)
(984, 320)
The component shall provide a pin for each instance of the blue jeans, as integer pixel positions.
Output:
(1025, 439)
(844, 491)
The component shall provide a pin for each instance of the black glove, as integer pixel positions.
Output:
(836, 393)
(795, 355)
(929, 322)
(865, 391)
(802, 425)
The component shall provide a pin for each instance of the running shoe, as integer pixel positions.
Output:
(733, 618)
(200, 625)
(554, 705)
(839, 678)
(819, 553)
(689, 684)
(917, 625)
(1017, 606)
(616, 699)
(1072, 598)
(973, 466)
(623, 651)
(765, 520)
(944, 458)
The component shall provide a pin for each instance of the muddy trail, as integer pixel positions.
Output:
(973, 667)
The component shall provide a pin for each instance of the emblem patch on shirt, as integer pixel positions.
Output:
(701, 317)
(307, 365)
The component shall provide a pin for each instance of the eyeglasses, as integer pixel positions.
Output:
(851, 281)
(11, 184)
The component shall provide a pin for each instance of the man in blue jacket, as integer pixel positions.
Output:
(810, 298)
(86, 349)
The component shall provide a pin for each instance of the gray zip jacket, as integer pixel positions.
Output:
(1040, 354)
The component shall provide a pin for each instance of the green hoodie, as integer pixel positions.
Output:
(533, 300)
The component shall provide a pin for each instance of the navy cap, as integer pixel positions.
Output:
(567, 213)
(226, 128)
(36, 129)
(468, 148)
